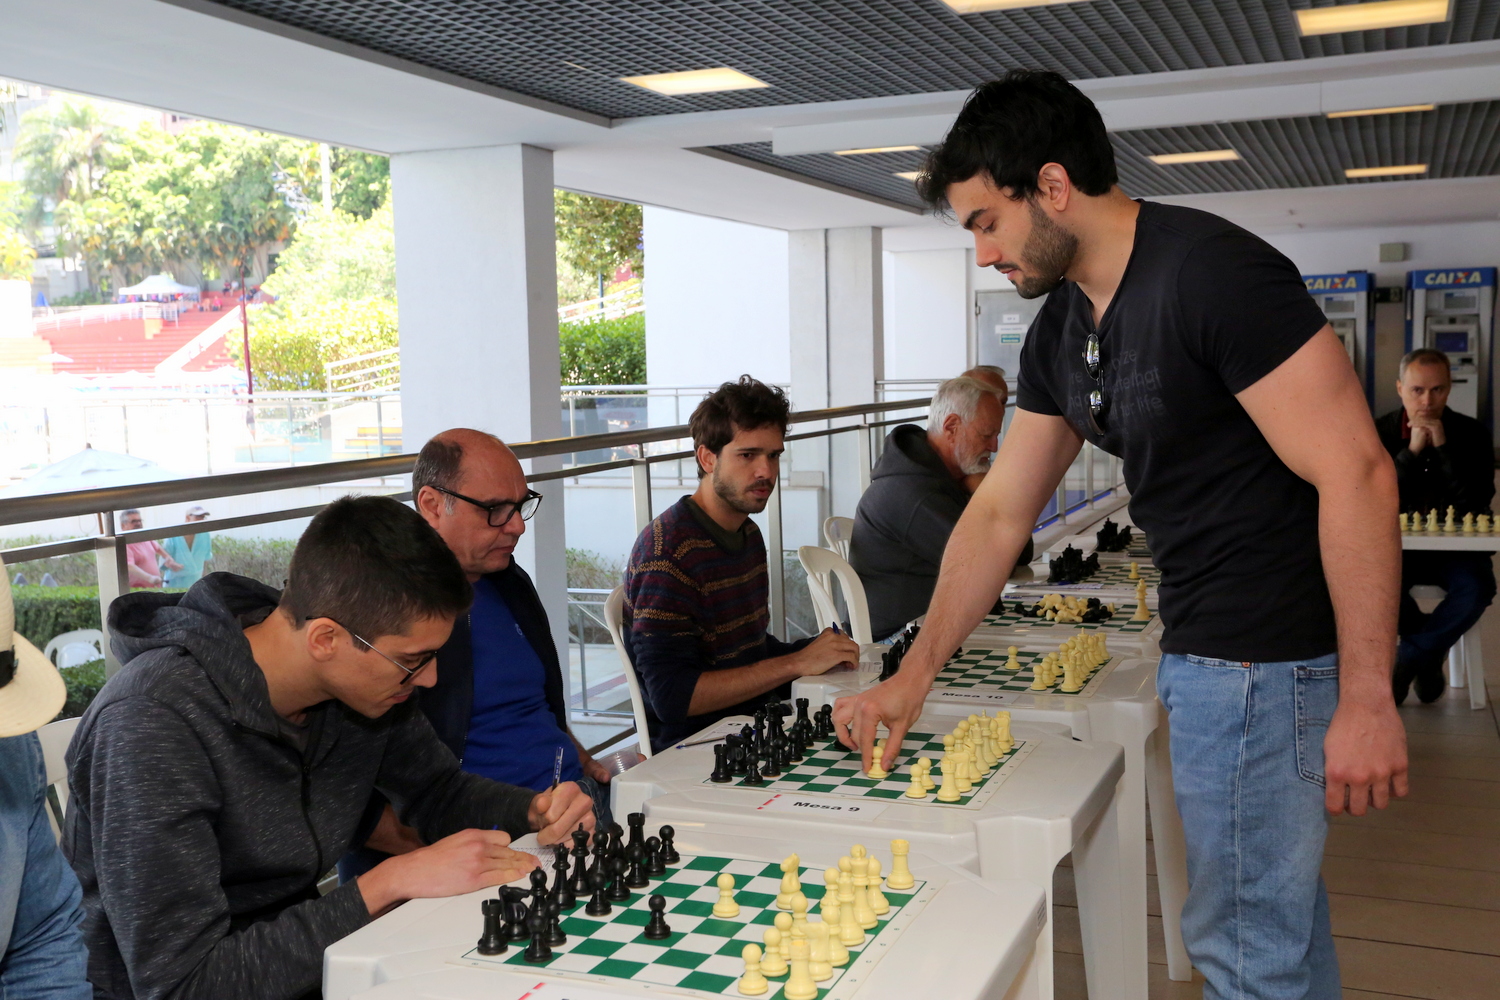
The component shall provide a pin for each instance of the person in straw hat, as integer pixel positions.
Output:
(41, 913)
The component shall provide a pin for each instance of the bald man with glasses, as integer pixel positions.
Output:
(498, 700)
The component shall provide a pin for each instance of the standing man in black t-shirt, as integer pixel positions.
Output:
(1190, 348)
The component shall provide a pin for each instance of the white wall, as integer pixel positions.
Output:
(716, 300)
(927, 306)
(1468, 244)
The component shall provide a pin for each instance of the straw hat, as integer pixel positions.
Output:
(31, 690)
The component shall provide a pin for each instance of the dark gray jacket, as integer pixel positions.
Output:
(199, 831)
(901, 527)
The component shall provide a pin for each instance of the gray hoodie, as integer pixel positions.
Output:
(901, 527)
(198, 828)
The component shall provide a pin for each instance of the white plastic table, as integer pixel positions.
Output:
(1059, 799)
(1118, 705)
(1457, 542)
(974, 940)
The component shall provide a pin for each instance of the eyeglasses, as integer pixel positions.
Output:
(410, 672)
(500, 513)
(1094, 365)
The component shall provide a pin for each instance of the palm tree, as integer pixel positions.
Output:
(64, 151)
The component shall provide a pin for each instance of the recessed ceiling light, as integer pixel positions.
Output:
(980, 6)
(1206, 156)
(696, 81)
(1409, 168)
(1372, 16)
(874, 149)
(1398, 109)
(909, 175)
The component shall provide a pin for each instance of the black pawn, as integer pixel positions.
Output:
(793, 747)
(773, 758)
(598, 906)
(492, 941)
(656, 927)
(752, 773)
(618, 891)
(655, 866)
(555, 933)
(538, 951)
(636, 877)
(669, 853)
(538, 887)
(562, 888)
(601, 855)
(721, 774)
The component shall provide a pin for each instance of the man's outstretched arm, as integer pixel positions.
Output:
(996, 525)
(1365, 748)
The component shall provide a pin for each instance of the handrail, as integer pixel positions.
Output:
(19, 510)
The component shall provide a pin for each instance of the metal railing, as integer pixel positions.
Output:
(109, 544)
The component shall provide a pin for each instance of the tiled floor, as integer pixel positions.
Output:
(1414, 890)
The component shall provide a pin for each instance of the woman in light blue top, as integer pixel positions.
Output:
(191, 551)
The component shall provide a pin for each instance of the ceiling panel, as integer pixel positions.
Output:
(572, 51)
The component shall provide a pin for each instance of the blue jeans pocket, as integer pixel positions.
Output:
(1317, 697)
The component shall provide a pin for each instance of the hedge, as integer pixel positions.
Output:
(84, 682)
(45, 612)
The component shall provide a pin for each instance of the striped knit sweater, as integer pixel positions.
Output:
(692, 604)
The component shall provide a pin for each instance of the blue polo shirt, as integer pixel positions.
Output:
(513, 735)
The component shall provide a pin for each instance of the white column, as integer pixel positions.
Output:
(476, 277)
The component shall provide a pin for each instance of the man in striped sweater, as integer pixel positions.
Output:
(696, 592)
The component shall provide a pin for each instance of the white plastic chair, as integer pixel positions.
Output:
(614, 608)
(77, 647)
(55, 737)
(1466, 658)
(840, 532)
(820, 564)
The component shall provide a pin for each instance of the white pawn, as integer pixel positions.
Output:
(726, 906)
(877, 772)
(861, 885)
(926, 765)
(900, 877)
(819, 966)
(878, 903)
(1405, 521)
(790, 884)
(948, 791)
(916, 790)
(753, 982)
(851, 934)
(773, 964)
(838, 955)
(830, 901)
(800, 984)
(799, 916)
(784, 925)
(1135, 571)
(1012, 660)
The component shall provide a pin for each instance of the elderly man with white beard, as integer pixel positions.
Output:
(918, 491)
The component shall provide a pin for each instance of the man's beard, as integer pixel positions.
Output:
(736, 500)
(973, 465)
(1047, 255)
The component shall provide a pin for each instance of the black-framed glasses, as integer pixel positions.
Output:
(502, 512)
(410, 672)
(1093, 363)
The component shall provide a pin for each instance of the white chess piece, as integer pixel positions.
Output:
(1135, 571)
(948, 791)
(800, 984)
(916, 789)
(861, 885)
(799, 916)
(773, 964)
(753, 982)
(877, 772)
(878, 903)
(784, 925)
(926, 765)
(1012, 659)
(900, 877)
(830, 900)
(726, 906)
(790, 884)
(851, 933)
(819, 967)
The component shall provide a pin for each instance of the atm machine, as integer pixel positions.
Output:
(1453, 311)
(1348, 301)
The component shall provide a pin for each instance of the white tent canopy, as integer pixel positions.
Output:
(158, 284)
(89, 469)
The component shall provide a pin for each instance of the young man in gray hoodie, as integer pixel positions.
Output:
(221, 773)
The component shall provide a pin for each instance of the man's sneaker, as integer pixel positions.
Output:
(1432, 681)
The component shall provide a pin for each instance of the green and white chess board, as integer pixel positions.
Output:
(832, 770)
(1111, 584)
(702, 957)
(985, 670)
(1121, 624)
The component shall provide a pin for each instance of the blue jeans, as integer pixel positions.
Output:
(1247, 762)
(42, 956)
(1469, 580)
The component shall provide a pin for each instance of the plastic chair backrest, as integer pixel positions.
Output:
(55, 737)
(840, 532)
(66, 646)
(614, 614)
(819, 564)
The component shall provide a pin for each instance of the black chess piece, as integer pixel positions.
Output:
(600, 854)
(637, 823)
(802, 704)
(538, 887)
(760, 730)
(736, 757)
(747, 736)
(773, 758)
(618, 891)
(793, 753)
(555, 934)
(492, 941)
(598, 906)
(721, 773)
(538, 951)
(669, 853)
(656, 866)
(579, 881)
(656, 927)
(513, 909)
(562, 888)
(616, 838)
(636, 878)
(752, 773)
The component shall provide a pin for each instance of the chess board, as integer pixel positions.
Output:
(832, 770)
(702, 956)
(1114, 577)
(1012, 624)
(984, 670)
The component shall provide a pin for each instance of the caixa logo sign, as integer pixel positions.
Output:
(1357, 282)
(1453, 278)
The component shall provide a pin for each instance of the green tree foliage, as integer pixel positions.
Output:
(336, 255)
(604, 351)
(45, 612)
(594, 236)
(361, 182)
(16, 253)
(290, 348)
(65, 150)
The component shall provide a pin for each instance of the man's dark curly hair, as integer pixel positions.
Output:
(1010, 127)
(746, 405)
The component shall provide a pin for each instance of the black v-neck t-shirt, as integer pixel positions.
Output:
(1204, 311)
